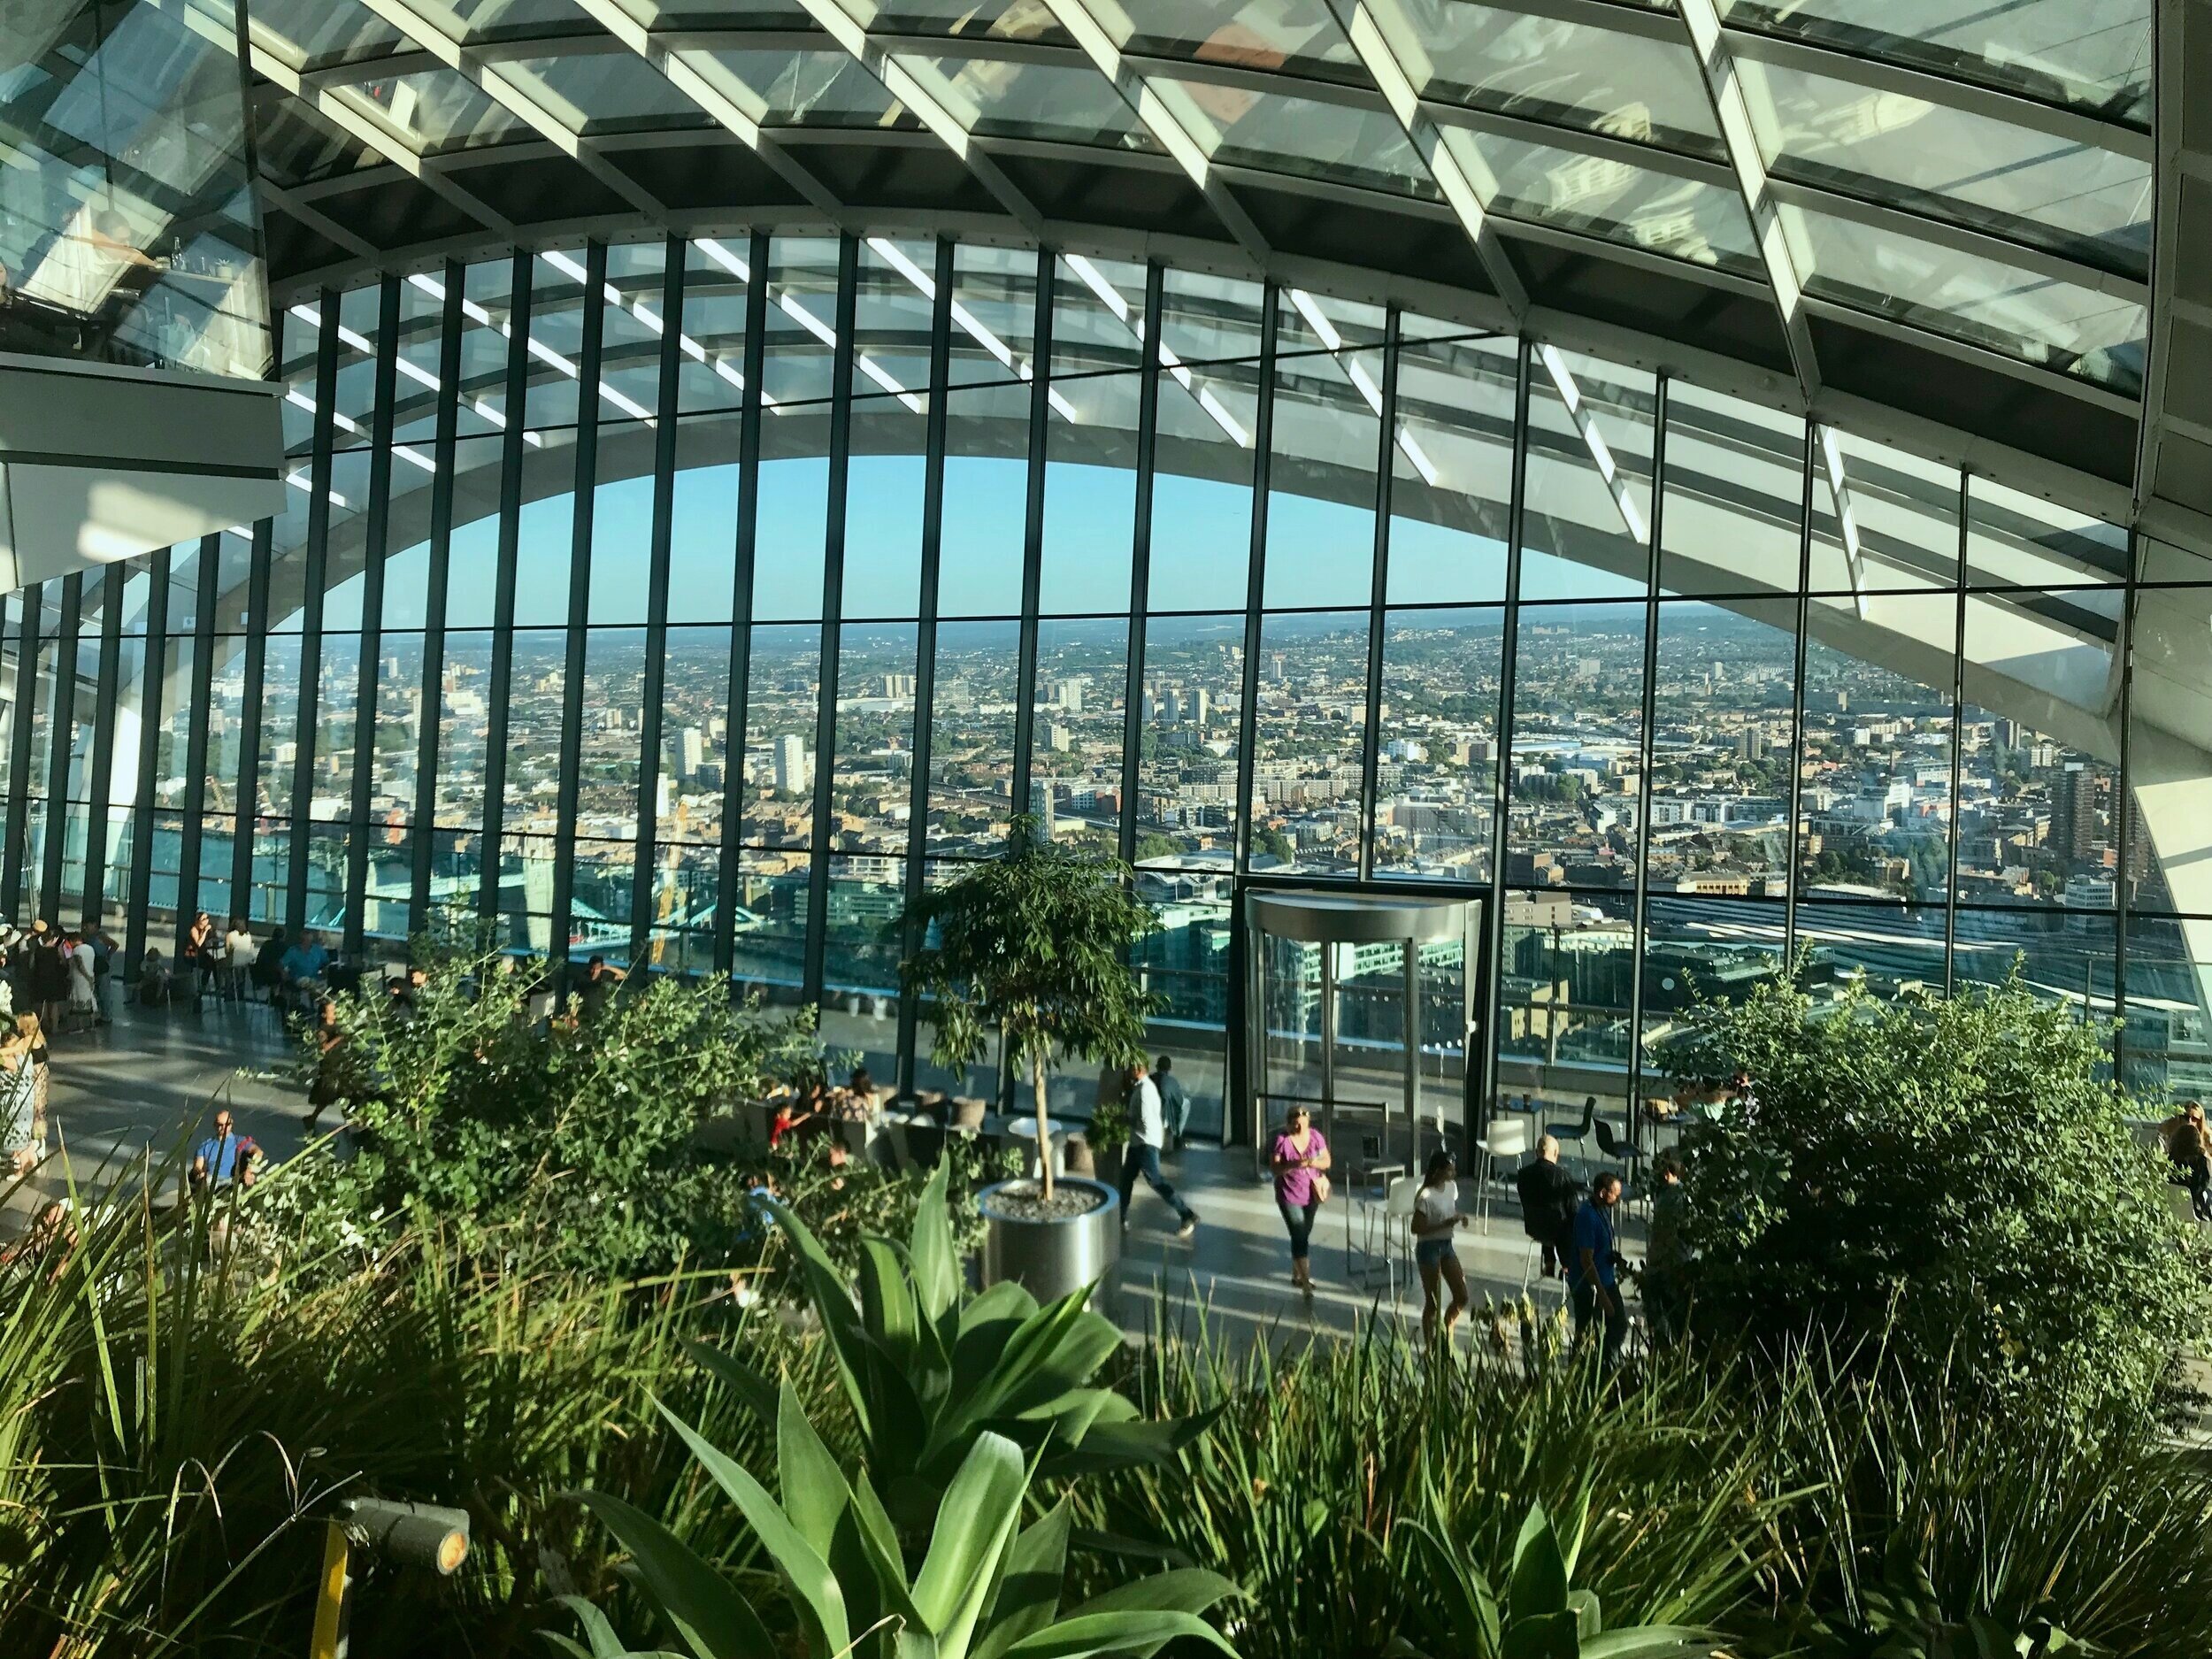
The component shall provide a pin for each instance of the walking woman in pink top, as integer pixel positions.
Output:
(1301, 1181)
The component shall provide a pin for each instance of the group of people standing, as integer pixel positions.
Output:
(1572, 1223)
(58, 973)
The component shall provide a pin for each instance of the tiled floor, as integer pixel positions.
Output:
(150, 1083)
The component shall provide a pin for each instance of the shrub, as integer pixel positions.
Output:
(1955, 1183)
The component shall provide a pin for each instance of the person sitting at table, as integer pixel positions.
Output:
(856, 1102)
(1549, 1197)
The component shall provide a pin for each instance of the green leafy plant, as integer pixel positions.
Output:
(1034, 946)
(1958, 1185)
(987, 1587)
(1541, 1616)
(927, 1370)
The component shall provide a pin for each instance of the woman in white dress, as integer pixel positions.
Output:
(84, 999)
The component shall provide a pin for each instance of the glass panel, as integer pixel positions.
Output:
(608, 754)
(1572, 73)
(1097, 320)
(126, 224)
(1899, 528)
(870, 792)
(1604, 195)
(2038, 820)
(1187, 770)
(1566, 967)
(1734, 497)
(1452, 471)
(1321, 496)
(1722, 747)
(798, 88)
(883, 510)
(1090, 497)
(1700, 949)
(1311, 731)
(2166, 1045)
(622, 524)
(1208, 319)
(994, 313)
(702, 537)
(2021, 313)
(534, 731)
(1202, 491)
(2063, 956)
(1578, 737)
(1277, 133)
(433, 110)
(1436, 783)
(769, 924)
(971, 737)
(1895, 948)
(603, 92)
(995, 97)
(696, 749)
(464, 730)
(2096, 54)
(1588, 522)
(986, 503)
(1077, 722)
(783, 703)
(1876, 793)
(2014, 540)
(1998, 175)
(791, 535)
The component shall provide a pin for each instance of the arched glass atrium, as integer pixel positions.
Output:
(693, 598)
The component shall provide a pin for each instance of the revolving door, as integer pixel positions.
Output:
(1364, 1011)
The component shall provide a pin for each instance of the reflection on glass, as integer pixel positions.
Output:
(1875, 794)
(1588, 487)
(127, 233)
(1734, 496)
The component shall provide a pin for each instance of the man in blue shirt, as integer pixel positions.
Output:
(223, 1157)
(303, 965)
(1592, 1268)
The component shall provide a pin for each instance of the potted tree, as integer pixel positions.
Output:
(1034, 946)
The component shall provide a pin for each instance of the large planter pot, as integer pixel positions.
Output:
(1050, 1257)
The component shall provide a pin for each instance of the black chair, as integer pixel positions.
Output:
(1611, 1146)
(1576, 1134)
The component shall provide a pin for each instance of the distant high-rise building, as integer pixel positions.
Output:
(2074, 813)
(790, 775)
(1751, 743)
(691, 752)
(1071, 696)
(1278, 671)
(1041, 803)
(1059, 738)
(1201, 705)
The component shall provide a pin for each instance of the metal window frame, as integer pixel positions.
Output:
(1378, 598)
(61, 720)
(149, 717)
(430, 726)
(841, 445)
(315, 577)
(658, 551)
(1140, 562)
(92, 899)
(499, 683)
(195, 807)
(376, 533)
(1639, 915)
(747, 543)
(247, 794)
(32, 601)
(1032, 536)
(583, 516)
(925, 642)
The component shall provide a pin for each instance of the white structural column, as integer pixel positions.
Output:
(1389, 47)
(412, 21)
(1090, 22)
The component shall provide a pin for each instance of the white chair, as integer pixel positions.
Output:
(1397, 1222)
(1509, 1139)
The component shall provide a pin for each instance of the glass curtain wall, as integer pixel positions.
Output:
(697, 603)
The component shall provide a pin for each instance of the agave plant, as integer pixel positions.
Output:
(987, 1587)
(929, 1369)
(1541, 1616)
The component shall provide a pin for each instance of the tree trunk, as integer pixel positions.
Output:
(1044, 1140)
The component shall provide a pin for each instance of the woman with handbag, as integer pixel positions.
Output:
(1302, 1187)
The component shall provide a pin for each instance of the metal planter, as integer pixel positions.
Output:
(1050, 1258)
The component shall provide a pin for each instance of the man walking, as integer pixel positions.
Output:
(1593, 1270)
(1147, 1133)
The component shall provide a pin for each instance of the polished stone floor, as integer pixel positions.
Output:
(148, 1086)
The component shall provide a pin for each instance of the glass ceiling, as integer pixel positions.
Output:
(1974, 170)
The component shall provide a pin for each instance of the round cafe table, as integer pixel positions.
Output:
(1025, 1128)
